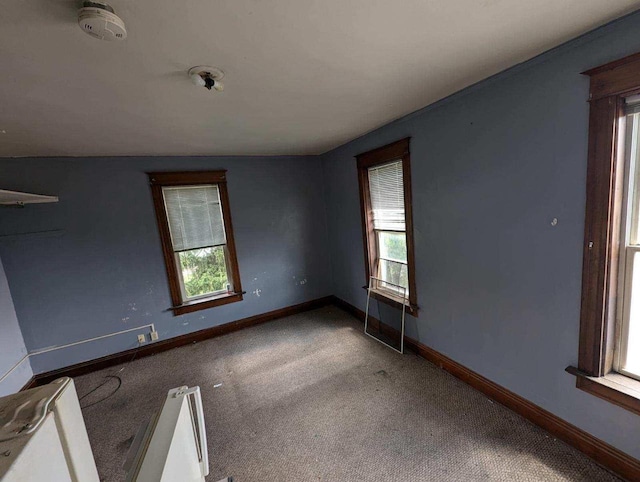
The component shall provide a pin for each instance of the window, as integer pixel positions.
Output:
(193, 215)
(385, 195)
(627, 347)
(387, 206)
(608, 357)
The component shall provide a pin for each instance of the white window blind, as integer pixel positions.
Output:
(387, 197)
(195, 216)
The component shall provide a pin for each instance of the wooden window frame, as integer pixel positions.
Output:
(158, 180)
(391, 152)
(610, 85)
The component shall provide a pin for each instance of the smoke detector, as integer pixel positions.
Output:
(209, 77)
(100, 21)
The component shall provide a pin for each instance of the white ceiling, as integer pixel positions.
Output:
(302, 76)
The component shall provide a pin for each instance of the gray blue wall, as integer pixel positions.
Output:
(93, 263)
(498, 285)
(12, 348)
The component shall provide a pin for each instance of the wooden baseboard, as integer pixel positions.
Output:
(170, 343)
(604, 454)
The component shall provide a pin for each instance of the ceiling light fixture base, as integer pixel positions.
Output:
(206, 76)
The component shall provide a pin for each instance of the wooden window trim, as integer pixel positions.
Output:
(158, 180)
(610, 84)
(613, 387)
(391, 152)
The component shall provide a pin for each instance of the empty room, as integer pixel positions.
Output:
(247, 241)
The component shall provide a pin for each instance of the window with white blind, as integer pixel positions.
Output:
(386, 191)
(386, 215)
(195, 228)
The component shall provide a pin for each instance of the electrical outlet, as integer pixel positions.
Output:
(142, 338)
(154, 335)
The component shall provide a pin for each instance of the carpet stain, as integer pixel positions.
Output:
(125, 444)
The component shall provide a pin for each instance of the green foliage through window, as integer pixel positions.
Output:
(392, 266)
(203, 270)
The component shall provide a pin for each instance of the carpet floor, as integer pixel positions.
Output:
(310, 398)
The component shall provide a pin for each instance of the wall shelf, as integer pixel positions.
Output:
(16, 198)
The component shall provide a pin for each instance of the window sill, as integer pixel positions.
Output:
(613, 387)
(394, 301)
(204, 303)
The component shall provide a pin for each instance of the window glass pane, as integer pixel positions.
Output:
(627, 357)
(387, 196)
(631, 329)
(195, 216)
(204, 271)
(392, 246)
(393, 272)
(634, 199)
